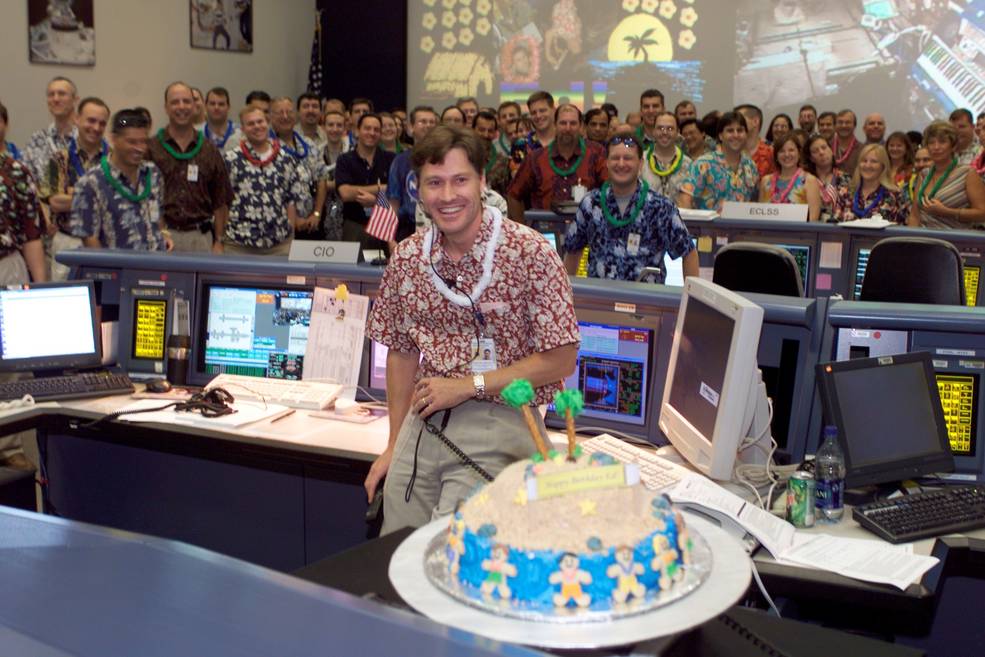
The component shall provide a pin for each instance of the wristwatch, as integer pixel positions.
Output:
(479, 383)
(317, 214)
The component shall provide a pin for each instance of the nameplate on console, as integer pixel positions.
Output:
(764, 211)
(342, 253)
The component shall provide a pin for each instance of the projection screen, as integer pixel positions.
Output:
(911, 60)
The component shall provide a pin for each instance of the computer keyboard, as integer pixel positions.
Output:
(72, 386)
(921, 515)
(309, 395)
(657, 473)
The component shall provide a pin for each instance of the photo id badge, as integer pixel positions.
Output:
(192, 173)
(633, 244)
(485, 359)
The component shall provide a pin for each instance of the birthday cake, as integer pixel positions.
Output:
(567, 535)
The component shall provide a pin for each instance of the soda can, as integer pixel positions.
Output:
(800, 499)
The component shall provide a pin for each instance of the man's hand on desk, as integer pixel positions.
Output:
(376, 473)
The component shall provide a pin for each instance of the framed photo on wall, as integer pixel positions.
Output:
(61, 32)
(221, 24)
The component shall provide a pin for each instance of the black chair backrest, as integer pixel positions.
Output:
(758, 268)
(914, 270)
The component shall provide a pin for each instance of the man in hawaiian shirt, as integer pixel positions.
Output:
(266, 190)
(475, 282)
(118, 204)
(311, 167)
(627, 225)
(725, 174)
(61, 95)
(63, 172)
(665, 165)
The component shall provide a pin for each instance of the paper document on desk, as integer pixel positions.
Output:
(863, 559)
(335, 339)
(859, 558)
(775, 534)
(873, 223)
(247, 412)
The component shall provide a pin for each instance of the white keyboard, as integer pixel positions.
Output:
(316, 396)
(657, 473)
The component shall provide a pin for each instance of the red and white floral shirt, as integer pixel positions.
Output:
(527, 305)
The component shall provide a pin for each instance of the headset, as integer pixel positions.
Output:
(210, 403)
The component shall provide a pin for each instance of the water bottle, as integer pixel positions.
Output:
(829, 470)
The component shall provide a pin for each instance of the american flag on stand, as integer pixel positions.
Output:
(314, 67)
(383, 220)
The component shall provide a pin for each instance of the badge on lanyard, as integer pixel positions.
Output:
(192, 173)
(633, 244)
(485, 355)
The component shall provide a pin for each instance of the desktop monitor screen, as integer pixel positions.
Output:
(959, 401)
(612, 372)
(49, 326)
(889, 417)
(254, 331)
(802, 254)
(551, 238)
(377, 365)
(149, 328)
(673, 271)
(710, 376)
(861, 262)
(972, 275)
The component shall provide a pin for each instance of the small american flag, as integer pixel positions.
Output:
(315, 66)
(383, 220)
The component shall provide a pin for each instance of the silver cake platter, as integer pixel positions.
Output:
(720, 575)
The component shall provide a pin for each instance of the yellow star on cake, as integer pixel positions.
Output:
(587, 507)
(521, 497)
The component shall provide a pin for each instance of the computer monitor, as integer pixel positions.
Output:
(959, 401)
(861, 262)
(148, 304)
(673, 271)
(551, 238)
(613, 372)
(802, 254)
(714, 397)
(972, 277)
(889, 417)
(252, 329)
(49, 326)
(377, 366)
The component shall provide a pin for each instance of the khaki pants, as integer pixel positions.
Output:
(491, 434)
(232, 248)
(13, 271)
(62, 242)
(191, 241)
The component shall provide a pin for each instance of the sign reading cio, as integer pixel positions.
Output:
(316, 251)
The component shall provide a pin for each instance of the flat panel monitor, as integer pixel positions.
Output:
(888, 412)
(551, 237)
(148, 304)
(712, 377)
(49, 326)
(253, 330)
(959, 400)
(377, 366)
(972, 277)
(613, 372)
(861, 262)
(802, 254)
(673, 271)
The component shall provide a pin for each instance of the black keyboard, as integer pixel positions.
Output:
(931, 513)
(74, 386)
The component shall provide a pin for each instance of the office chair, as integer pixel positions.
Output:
(914, 270)
(756, 267)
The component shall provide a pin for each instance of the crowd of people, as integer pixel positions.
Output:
(315, 168)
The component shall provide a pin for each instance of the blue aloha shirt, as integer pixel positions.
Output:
(658, 224)
(98, 210)
(44, 145)
(710, 181)
(258, 213)
(311, 168)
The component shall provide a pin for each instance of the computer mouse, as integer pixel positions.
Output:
(158, 385)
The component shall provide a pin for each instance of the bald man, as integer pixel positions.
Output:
(874, 128)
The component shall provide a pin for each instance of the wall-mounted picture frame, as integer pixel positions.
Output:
(221, 24)
(61, 32)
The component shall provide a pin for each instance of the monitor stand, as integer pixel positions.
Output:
(757, 423)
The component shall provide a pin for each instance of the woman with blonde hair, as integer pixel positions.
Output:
(872, 191)
(946, 196)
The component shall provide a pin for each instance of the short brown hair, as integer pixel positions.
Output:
(940, 130)
(249, 109)
(539, 96)
(441, 140)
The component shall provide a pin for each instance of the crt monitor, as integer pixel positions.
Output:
(714, 401)
(49, 326)
(252, 329)
(613, 372)
(889, 417)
